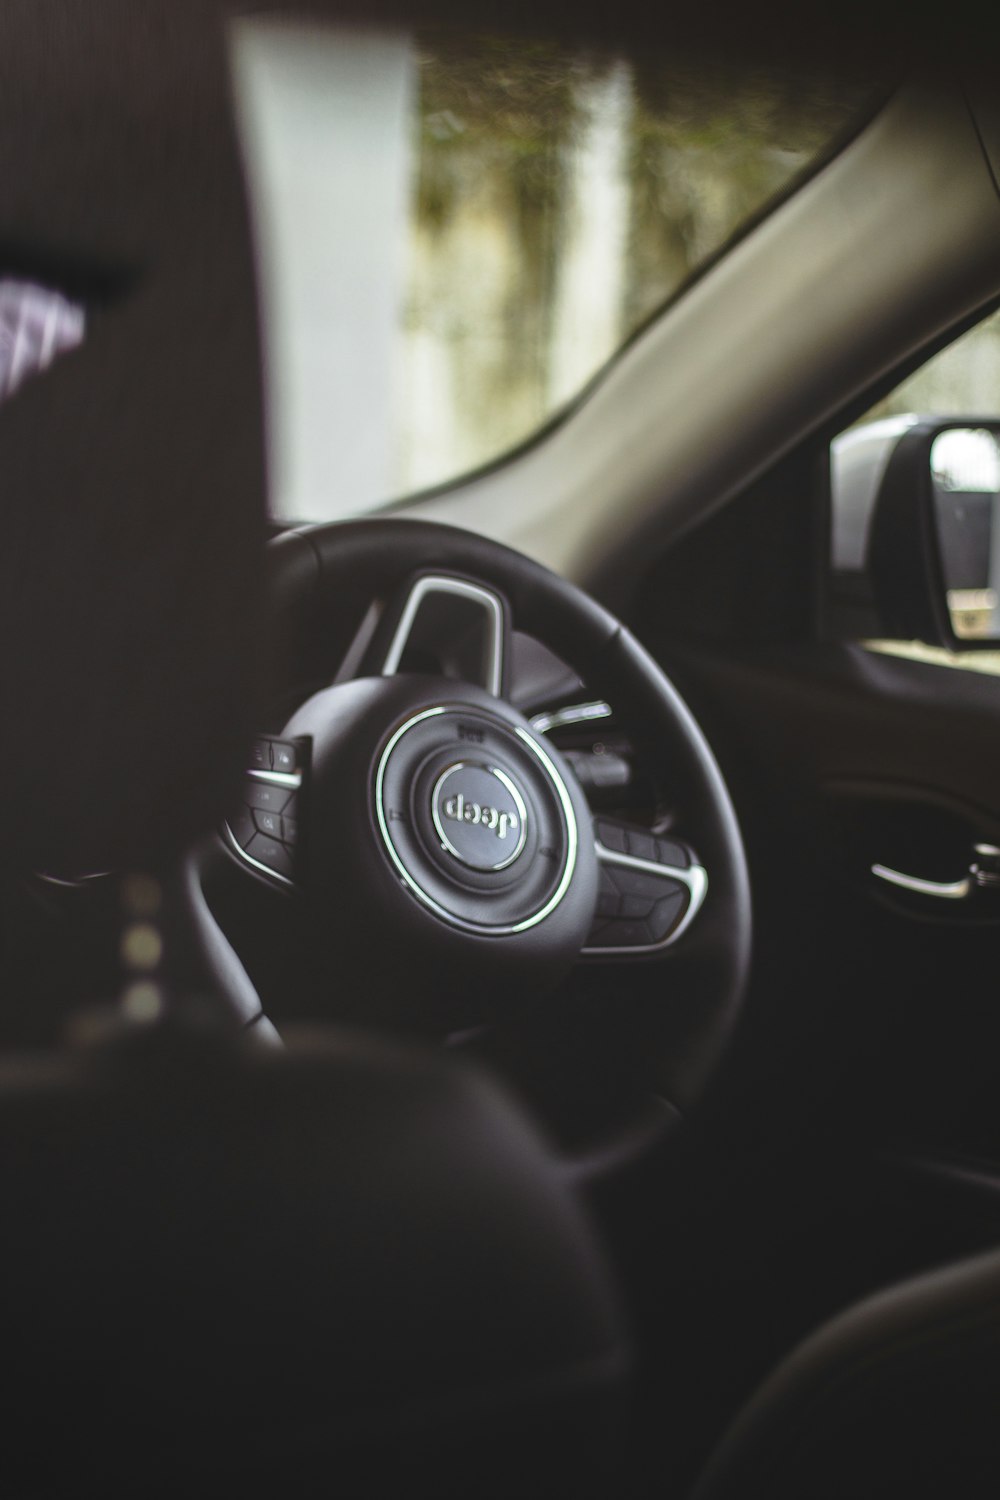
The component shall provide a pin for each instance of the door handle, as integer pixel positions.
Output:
(984, 874)
(948, 890)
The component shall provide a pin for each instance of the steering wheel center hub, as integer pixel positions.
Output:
(479, 815)
(476, 818)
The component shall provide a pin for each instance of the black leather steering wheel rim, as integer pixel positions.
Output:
(687, 1003)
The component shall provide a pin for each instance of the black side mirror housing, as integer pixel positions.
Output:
(934, 546)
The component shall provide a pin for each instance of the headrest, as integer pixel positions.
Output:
(132, 468)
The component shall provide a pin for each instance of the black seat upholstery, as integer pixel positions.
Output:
(336, 1267)
(898, 1396)
(133, 475)
(333, 1269)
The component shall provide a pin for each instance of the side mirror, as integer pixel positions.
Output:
(934, 544)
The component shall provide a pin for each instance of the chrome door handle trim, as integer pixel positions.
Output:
(954, 890)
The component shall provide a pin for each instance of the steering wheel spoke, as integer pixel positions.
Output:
(650, 890)
(444, 623)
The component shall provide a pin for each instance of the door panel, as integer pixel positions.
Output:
(848, 1143)
(840, 759)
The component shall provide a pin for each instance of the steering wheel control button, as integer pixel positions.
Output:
(612, 835)
(262, 831)
(640, 845)
(260, 755)
(243, 827)
(283, 757)
(280, 761)
(670, 852)
(609, 897)
(268, 822)
(267, 796)
(479, 815)
(620, 838)
(632, 896)
(650, 890)
(271, 854)
(666, 914)
(476, 819)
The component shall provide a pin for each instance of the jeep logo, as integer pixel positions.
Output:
(473, 812)
(479, 815)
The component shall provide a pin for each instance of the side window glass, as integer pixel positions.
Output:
(963, 380)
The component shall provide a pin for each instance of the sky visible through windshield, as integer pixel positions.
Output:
(456, 235)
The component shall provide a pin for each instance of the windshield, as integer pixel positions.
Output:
(455, 235)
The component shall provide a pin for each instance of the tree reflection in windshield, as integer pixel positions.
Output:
(457, 232)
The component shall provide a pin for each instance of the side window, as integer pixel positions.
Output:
(963, 380)
(960, 382)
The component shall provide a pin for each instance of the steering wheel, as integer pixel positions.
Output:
(439, 853)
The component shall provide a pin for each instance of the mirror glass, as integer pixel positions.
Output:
(965, 475)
